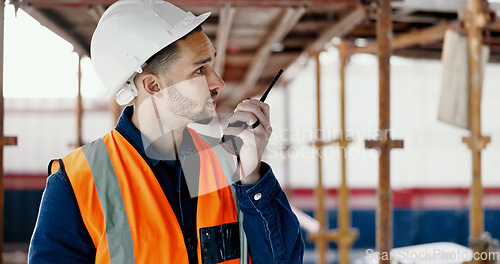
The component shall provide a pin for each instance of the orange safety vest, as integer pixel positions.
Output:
(128, 215)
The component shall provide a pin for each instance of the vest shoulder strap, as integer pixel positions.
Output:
(118, 232)
(227, 162)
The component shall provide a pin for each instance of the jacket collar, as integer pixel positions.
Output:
(134, 135)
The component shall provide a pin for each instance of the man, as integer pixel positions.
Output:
(153, 190)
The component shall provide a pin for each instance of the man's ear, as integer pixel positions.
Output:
(149, 81)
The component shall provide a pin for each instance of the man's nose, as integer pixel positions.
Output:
(215, 82)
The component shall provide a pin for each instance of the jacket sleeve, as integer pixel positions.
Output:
(60, 235)
(271, 227)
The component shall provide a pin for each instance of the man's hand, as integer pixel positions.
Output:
(254, 139)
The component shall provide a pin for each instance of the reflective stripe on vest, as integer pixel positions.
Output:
(229, 168)
(115, 216)
(126, 212)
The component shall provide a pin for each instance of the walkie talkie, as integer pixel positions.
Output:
(233, 143)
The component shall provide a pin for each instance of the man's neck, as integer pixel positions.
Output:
(164, 138)
(169, 144)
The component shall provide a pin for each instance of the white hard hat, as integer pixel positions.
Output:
(128, 34)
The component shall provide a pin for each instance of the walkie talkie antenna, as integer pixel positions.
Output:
(264, 96)
(229, 141)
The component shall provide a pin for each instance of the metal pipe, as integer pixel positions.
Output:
(384, 206)
(320, 207)
(2, 36)
(287, 109)
(343, 213)
(476, 140)
(2, 24)
(79, 107)
(4, 141)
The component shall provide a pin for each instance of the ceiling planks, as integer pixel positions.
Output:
(204, 3)
(286, 23)
(420, 37)
(340, 29)
(225, 23)
(256, 38)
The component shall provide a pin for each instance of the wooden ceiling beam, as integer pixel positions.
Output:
(418, 53)
(341, 28)
(297, 42)
(308, 26)
(226, 19)
(245, 59)
(411, 19)
(288, 20)
(57, 28)
(404, 40)
(417, 19)
(249, 43)
(368, 29)
(204, 3)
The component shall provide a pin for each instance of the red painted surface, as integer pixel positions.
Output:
(412, 198)
(363, 198)
(25, 181)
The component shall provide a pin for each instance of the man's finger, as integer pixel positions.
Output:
(263, 106)
(255, 109)
(246, 117)
(246, 135)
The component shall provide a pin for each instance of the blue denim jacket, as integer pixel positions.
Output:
(272, 229)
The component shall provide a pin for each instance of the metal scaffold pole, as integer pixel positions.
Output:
(287, 145)
(384, 143)
(319, 238)
(475, 19)
(4, 141)
(79, 107)
(344, 235)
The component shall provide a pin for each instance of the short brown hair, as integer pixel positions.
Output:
(160, 62)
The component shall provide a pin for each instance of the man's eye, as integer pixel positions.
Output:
(199, 70)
